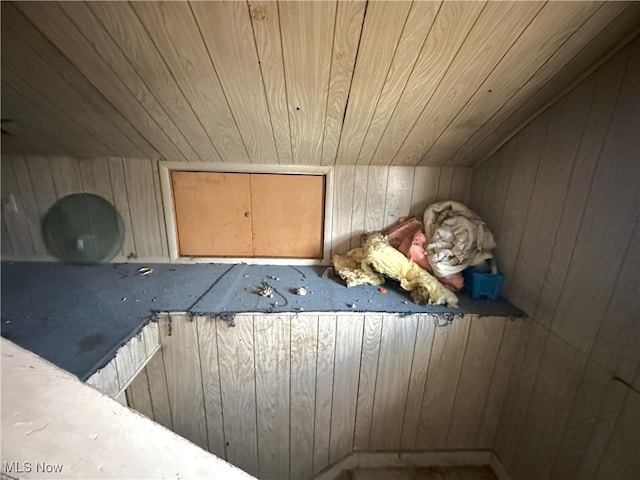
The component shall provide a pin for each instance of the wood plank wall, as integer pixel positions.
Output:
(284, 396)
(563, 198)
(365, 199)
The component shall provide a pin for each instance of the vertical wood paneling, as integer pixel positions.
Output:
(121, 202)
(425, 189)
(444, 183)
(461, 185)
(138, 395)
(376, 198)
(16, 221)
(367, 380)
(273, 370)
(66, 175)
(398, 198)
(30, 208)
(207, 328)
(158, 390)
(346, 37)
(394, 369)
(307, 42)
(236, 350)
(485, 336)
(358, 210)
(324, 391)
(184, 377)
(304, 344)
(343, 198)
(345, 384)
(449, 345)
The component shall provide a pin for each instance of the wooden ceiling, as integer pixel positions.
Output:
(367, 83)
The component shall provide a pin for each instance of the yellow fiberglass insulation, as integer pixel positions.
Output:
(364, 265)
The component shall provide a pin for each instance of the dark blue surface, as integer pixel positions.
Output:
(78, 316)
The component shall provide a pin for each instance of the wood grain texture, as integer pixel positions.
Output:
(358, 208)
(179, 339)
(307, 37)
(425, 189)
(485, 337)
(138, 396)
(304, 344)
(207, 329)
(398, 196)
(236, 351)
(21, 222)
(273, 372)
(158, 389)
(444, 183)
(461, 184)
(105, 380)
(447, 355)
(130, 358)
(343, 197)
(325, 371)
(348, 349)
(121, 202)
(367, 380)
(397, 342)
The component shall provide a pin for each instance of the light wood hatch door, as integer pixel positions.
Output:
(248, 214)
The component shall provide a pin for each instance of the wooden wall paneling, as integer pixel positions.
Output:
(179, 339)
(127, 31)
(273, 372)
(621, 459)
(398, 198)
(497, 195)
(506, 361)
(25, 111)
(477, 56)
(425, 334)
(50, 71)
(381, 31)
(236, 356)
(121, 202)
(129, 359)
(614, 199)
(43, 187)
(66, 175)
(513, 415)
(227, 33)
(158, 389)
(175, 33)
(105, 380)
(414, 34)
(477, 186)
(523, 174)
(603, 103)
(487, 188)
(142, 206)
(207, 333)
(307, 37)
(595, 385)
(138, 395)
(67, 30)
(358, 209)
(343, 192)
(304, 344)
(528, 54)
(346, 37)
(349, 330)
(25, 139)
(559, 374)
(630, 356)
(164, 241)
(266, 33)
(398, 339)
(324, 390)
(485, 336)
(367, 380)
(7, 248)
(444, 183)
(376, 198)
(461, 184)
(425, 189)
(448, 32)
(27, 198)
(594, 39)
(447, 354)
(96, 178)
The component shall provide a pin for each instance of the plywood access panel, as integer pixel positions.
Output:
(248, 214)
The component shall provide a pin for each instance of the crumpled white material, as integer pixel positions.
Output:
(456, 238)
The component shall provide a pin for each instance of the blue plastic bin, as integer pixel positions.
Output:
(480, 285)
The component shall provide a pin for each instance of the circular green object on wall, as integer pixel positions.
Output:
(83, 228)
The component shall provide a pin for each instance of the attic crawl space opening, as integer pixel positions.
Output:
(245, 213)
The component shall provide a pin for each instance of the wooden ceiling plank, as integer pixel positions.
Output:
(307, 38)
(226, 30)
(555, 23)
(383, 26)
(88, 58)
(349, 19)
(473, 63)
(266, 34)
(126, 30)
(450, 28)
(593, 41)
(414, 36)
(175, 33)
(25, 111)
(45, 69)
